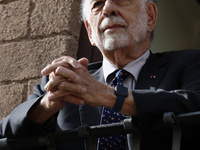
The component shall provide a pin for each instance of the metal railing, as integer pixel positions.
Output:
(176, 122)
(92, 133)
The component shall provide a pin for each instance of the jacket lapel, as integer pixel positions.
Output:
(91, 115)
(151, 73)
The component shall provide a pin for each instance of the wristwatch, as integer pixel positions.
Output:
(121, 93)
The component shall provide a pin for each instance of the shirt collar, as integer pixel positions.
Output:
(133, 67)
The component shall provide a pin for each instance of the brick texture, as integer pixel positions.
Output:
(50, 16)
(24, 60)
(14, 19)
(32, 34)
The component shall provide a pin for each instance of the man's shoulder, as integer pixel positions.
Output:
(179, 52)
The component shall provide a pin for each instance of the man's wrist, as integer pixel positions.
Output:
(39, 113)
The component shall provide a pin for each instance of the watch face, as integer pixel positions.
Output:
(121, 90)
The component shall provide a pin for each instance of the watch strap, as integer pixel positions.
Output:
(121, 93)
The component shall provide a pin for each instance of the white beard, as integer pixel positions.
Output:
(120, 39)
(115, 40)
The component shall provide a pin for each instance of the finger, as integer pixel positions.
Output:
(51, 76)
(52, 67)
(66, 97)
(84, 62)
(57, 95)
(72, 87)
(68, 74)
(73, 62)
(65, 61)
(58, 60)
(73, 99)
(53, 83)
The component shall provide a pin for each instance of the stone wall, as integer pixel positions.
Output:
(32, 34)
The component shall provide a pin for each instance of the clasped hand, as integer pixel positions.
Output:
(70, 81)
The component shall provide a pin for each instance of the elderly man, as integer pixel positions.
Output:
(130, 80)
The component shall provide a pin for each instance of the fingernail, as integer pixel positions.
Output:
(46, 87)
(43, 72)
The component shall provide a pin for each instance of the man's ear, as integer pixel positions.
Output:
(152, 12)
(89, 31)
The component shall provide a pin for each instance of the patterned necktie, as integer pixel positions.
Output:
(117, 142)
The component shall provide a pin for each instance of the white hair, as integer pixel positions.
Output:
(84, 7)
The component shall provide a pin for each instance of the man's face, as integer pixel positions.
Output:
(116, 24)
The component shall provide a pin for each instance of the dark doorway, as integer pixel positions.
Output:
(86, 49)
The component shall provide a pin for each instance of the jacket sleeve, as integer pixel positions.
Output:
(17, 124)
(152, 104)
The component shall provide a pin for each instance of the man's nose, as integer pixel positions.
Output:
(110, 8)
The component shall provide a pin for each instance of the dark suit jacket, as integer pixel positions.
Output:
(168, 81)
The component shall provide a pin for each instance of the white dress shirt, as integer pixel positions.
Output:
(133, 68)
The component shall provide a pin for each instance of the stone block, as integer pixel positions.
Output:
(13, 19)
(53, 16)
(11, 95)
(24, 60)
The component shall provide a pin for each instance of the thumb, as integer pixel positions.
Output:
(84, 61)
